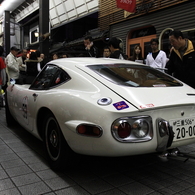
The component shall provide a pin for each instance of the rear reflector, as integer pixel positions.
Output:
(89, 130)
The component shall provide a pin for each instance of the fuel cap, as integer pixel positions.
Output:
(104, 101)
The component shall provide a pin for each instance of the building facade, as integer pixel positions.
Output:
(69, 20)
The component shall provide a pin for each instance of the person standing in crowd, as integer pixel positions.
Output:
(106, 52)
(92, 51)
(42, 56)
(137, 55)
(22, 65)
(55, 56)
(181, 62)
(2, 69)
(32, 67)
(114, 45)
(12, 65)
(38, 53)
(64, 55)
(157, 58)
(43, 60)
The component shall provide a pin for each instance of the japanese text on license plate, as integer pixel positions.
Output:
(183, 128)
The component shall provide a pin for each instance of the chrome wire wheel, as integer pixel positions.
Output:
(59, 154)
(52, 139)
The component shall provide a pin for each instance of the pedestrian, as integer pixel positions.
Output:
(42, 56)
(55, 56)
(2, 69)
(114, 45)
(43, 60)
(137, 55)
(12, 65)
(106, 52)
(32, 67)
(91, 50)
(64, 55)
(157, 58)
(181, 62)
(22, 65)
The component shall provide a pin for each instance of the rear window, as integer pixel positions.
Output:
(134, 75)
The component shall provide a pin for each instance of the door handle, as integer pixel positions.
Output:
(35, 96)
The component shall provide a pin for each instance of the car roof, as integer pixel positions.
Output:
(84, 61)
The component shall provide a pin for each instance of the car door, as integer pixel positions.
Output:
(24, 99)
(49, 78)
(25, 105)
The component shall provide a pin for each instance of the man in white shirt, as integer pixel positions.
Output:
(12, 64)
(22, 65)
(157, 59)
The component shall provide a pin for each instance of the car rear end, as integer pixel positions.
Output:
(165, 109)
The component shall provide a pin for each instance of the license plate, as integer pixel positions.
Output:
(183, 128)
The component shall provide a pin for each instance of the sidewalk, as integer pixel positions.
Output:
(24, 171)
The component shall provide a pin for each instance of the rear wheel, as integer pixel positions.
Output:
(58, 151)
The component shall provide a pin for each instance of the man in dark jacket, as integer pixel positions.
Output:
(114, 45)
(182, 59)
(92, 51)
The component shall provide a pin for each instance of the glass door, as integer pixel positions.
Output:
(144, 42)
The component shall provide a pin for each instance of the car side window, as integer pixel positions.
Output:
(59, 78)
(50, 76)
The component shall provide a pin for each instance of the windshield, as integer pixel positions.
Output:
(134, 75)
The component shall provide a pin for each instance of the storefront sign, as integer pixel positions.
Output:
(141, 8)
(144, 7)
(128, 5)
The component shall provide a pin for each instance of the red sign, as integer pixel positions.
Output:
(128, 5)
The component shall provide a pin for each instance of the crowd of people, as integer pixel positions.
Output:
(23, 66)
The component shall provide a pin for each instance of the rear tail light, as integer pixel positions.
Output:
(124, 130)
(140, 128)
(132, 129)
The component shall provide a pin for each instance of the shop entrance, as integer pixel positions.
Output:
(141, 37)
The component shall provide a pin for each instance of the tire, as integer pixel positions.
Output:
(57, 150)
(9, 118)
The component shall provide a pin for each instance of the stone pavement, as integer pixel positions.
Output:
(24, 171)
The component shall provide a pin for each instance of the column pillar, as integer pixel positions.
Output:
(6, 35)
(44, 26)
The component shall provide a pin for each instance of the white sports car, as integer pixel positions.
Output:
(103, 107)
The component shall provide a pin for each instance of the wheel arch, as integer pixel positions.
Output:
(40, 118)
(66, 154)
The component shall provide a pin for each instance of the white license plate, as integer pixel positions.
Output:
(183, 128)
